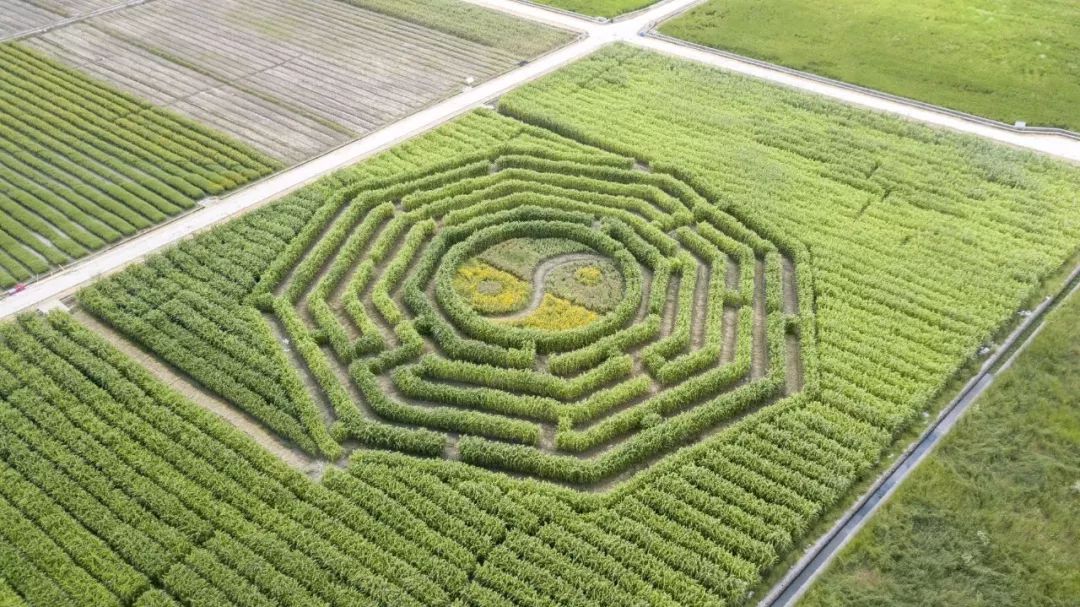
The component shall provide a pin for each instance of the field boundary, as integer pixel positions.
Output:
(990, 122)
(817, 558)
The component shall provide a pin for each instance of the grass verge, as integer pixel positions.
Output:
(989, 518)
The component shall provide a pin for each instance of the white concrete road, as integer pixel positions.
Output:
(595, 35)
(1055, 145)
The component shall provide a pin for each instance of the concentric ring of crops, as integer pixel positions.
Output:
(699, 334)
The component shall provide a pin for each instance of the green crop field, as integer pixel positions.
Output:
(599, 8)
(1012, 60)
(992, 513)
(82, 166)
(621, 341)
(387, 273)
(474, 23)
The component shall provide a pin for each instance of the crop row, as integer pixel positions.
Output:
(87, 166)
(113, 485)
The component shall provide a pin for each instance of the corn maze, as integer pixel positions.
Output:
(697, 336)
(691, 319)
(623, 341)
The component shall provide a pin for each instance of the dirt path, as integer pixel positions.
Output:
(540, 279)
(297, 362)
(793, 368)
(179, 382)
(759, 363)
(700, 314)
(731, 335)
(791, 288)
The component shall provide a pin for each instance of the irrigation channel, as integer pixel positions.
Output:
(817, 558)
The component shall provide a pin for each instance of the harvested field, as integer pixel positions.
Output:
(20, 16)
(291, 78)
(83, 166)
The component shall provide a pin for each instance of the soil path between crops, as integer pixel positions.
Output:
(540, 279)
(177, 381)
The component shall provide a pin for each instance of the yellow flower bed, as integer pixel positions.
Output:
(589, 276)
(489, 290)
(557, 314)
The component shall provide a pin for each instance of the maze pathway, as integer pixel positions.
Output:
(363, 325)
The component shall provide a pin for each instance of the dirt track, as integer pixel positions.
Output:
(179, 382)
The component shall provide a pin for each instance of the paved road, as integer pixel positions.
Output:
(595, 35)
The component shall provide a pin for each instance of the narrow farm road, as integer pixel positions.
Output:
(1055, 145)
(596, 34)
(816, 559)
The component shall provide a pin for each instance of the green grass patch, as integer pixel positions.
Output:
(521, 256)
(1013, 60)
(990, 517)
(599, 8)
(595, 284)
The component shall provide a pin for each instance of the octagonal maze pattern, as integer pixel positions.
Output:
(698, 336)
(533, 305)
